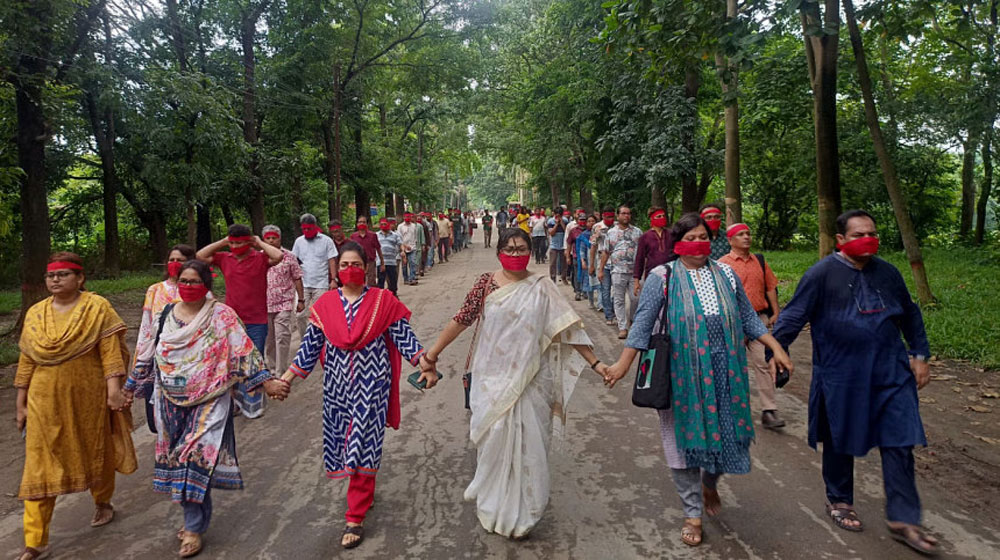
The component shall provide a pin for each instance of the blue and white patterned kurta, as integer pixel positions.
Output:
(356, 388)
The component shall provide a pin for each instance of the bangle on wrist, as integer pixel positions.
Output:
(594, 365)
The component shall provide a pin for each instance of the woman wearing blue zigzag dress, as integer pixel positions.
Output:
(361, 334)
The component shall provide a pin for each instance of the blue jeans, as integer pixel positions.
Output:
(609, 305)
(197, 516)
(258, 334)
(410, 266)
(430, 257)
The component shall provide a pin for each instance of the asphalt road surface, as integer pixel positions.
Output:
(612, 495)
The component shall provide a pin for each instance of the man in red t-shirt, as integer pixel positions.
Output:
(245, 272)
(370, 243)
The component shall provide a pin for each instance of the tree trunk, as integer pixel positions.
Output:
(157, 228)
(296, 199)
(554, 190)
(821, 54)
(204, 221)
(247, 34)
(657, 198)
(227, 215)
(103, 128)
(190, 215)
(899, 206)
(28, 79)
(984, 193)
(734, 198)
(586, 198)
(338, 100)
(689, 178)
(968, 206)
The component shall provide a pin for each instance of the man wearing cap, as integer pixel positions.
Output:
(317, 254)
(761, 287)
(390, 242)
(656, 247)
(409, 235)
(244, 267)
(284, 283)
(712, 214)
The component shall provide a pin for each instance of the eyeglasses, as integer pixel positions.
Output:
(346, 265)
(516, 251)
(863, 309)
(186, 282)
(58, 275)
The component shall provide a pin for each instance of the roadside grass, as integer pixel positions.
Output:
(963, 322)
(10, 300)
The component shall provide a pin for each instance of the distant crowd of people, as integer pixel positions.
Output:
(693, 285)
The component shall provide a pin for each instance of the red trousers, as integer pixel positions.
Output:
(360, 495)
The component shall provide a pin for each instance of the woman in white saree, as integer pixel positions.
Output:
(528, 355)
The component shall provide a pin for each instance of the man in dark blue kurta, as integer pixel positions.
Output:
(865, 382)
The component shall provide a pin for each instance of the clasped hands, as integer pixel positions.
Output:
(428, 370)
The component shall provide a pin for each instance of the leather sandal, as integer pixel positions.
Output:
(31, 553)
(916, 538)
(99, 510)
(691, 532)
(357, 531)
(190, 545)
(841, 516)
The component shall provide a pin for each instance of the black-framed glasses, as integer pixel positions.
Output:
(186, 282)
(516, 251)
(59, 274)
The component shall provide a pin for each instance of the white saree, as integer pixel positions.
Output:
(523, 373)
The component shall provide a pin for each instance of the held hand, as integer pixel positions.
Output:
(615, 373)
(921, 371)
(277, 389)
(129, 397)
(116, 400)
(602, 370)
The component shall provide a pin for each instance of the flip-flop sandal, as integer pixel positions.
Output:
(913, 536)
(96, 520)
(358, 531)
(841, 515)
(691, 534)
(190, 539)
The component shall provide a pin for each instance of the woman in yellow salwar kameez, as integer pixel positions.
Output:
(69, 376)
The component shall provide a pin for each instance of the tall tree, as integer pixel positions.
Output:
(822, 42)
(899, 206)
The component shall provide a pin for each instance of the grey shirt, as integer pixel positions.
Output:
(315, 255)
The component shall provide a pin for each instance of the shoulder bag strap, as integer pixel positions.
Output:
(475, 333)
(163, 321)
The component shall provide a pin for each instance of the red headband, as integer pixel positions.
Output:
(608, 215)
(240, 238)
(61, 265)
(336, 227)
(711, 210)
(271, 234)
(736, 228)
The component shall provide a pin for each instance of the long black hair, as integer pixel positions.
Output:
(686, 223)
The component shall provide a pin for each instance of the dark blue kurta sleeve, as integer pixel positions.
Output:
(406, 342)
(911, 323)
(800, 309)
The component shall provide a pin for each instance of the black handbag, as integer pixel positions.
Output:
(652, 378)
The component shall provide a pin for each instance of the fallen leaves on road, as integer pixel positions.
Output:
(943, 377)
(983, 409)
(928, 400)
(989, 440)
(957, 389)
(991, 395)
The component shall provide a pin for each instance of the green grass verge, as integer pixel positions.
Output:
(10, 300)
(961, 324)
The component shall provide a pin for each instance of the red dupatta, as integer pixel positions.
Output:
(378, 311)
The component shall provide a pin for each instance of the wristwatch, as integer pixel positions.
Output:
(920, 357)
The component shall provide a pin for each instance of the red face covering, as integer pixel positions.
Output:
(174, 269)
(241, 250)
(310, 230)
(192, 293)
(509, 262)
(352, 275)
(362, 227)
(408, 219)
(658, 220)
(714, 224)
(693, 248)
(860, 247)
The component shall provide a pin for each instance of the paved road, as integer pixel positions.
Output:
(612, 496)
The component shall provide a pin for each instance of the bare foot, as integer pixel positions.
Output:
(713, 503)
(103, 514)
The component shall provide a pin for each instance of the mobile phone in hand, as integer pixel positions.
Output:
(782, 377)
(420, 385)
